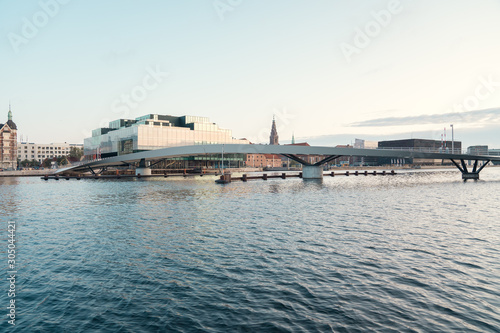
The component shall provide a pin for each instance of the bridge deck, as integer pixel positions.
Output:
(165, 153)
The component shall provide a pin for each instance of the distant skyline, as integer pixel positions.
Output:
(331, 71)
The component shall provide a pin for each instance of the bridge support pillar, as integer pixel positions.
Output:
(470, 175)
(466, 174)
(143, 169)
(312, 172)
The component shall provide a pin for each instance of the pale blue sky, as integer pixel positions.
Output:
(241, 61)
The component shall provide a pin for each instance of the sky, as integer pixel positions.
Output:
(329, 71)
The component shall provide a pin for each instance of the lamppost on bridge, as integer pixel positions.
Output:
(452, 140)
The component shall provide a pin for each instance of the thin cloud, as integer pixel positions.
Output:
(481, 116)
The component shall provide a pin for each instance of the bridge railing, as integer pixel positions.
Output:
(423, 149)
(88, 161)
(418, 149)
(439, 150)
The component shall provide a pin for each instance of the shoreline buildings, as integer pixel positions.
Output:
(155, 131)
(365, 144)
(484, 150)
(8, 144)
(266, 160)
(423, 145)
(478, 150)
(40, 151)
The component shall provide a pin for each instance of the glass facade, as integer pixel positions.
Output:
(153, 131)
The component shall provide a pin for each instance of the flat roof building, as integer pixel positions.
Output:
(424, 145)
(477, 150)
(421, 145)
(155, 131)
(365, 144)
(263, 160)
(494, 152)
(40, 151)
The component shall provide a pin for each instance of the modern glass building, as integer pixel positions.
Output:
(154, 131)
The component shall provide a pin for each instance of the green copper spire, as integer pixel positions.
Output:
(10, 113)
(293, 138)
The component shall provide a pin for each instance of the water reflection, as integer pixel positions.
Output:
(274, 188)
(316, 183)
(10, 194)
(9, 181)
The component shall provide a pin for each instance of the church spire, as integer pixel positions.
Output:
(273, 138)
(11, 124)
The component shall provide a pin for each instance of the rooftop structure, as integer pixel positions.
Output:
(11, 124)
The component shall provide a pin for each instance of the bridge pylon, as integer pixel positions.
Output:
(312, 171)
(143, 169)
(466, 174)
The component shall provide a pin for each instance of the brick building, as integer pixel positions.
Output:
(263, 160)
(8, 144)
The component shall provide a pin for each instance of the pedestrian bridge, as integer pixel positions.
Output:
(144, 160)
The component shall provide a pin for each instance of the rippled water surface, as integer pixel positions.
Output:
(416, 252)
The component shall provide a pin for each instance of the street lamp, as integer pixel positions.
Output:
(452, 140)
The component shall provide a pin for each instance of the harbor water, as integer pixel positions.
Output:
(415, 252)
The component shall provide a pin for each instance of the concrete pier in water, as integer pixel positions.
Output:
(143, 171)
(312, 172)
